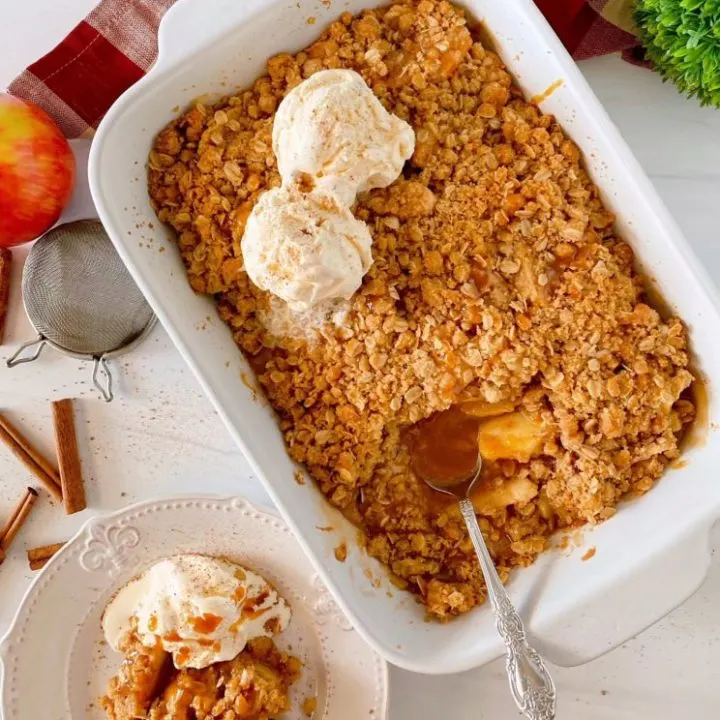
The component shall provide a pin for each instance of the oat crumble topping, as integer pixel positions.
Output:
(498, 278)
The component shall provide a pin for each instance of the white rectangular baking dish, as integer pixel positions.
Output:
(650, 556)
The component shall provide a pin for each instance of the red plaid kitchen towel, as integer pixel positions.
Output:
(78, 81)
(593, 27)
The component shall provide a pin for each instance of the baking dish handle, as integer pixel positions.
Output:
(618, 613)
(191, 21)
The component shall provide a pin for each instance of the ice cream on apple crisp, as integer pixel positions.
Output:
(332, 139)
(305, 247)
(333, 127)
(201, 610)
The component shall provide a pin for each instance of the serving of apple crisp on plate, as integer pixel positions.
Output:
(465, 274)
(196, 634)
(186, 608)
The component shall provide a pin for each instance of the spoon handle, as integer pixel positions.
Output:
(530, 682)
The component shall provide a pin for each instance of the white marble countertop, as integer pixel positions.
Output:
(161, 436)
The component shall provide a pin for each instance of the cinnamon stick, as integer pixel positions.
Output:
(38, 564)
(73, 488)
(37, 557)
(36, 463)
(5, 262)
(17, 518)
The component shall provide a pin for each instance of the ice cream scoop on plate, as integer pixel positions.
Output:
(201, 610)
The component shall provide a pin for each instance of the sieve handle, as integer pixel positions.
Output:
(17, 358)
(103, 383)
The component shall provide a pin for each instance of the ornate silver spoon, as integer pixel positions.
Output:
(530, 682)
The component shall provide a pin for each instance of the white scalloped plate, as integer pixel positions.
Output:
(56, 664)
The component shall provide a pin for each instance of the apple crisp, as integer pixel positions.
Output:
(499, 287)
(253, 686)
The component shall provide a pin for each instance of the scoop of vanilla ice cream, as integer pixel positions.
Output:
(200, 609)
(333, 127)
(305, 247)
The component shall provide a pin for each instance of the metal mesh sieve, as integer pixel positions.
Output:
(80, 297)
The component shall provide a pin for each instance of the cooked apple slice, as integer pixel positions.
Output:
(513, 437)
(487, 501)
(482, 409)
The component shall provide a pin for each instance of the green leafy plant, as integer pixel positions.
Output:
(682, 38)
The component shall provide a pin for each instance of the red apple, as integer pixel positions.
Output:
(37, 171)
